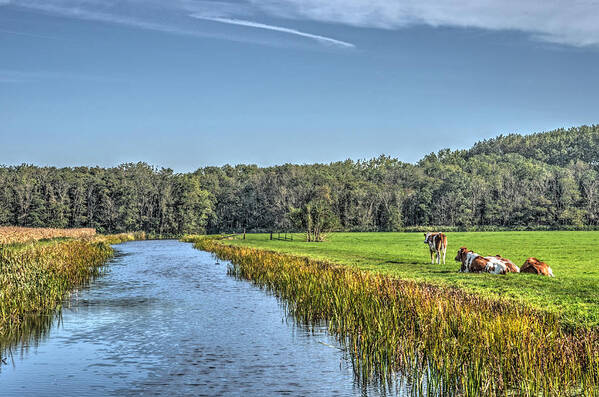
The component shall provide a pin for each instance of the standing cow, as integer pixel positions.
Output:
(437, 245)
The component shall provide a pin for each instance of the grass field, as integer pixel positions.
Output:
(573, 256)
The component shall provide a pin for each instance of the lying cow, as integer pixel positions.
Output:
(474, 263)
(437, 245)
(533, 265)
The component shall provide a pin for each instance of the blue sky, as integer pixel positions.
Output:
(189, 83)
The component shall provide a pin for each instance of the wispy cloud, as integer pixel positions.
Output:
(558, 21)
(176, 16)
(240, 22)
(569, 22)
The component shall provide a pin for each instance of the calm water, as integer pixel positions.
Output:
(167, 320)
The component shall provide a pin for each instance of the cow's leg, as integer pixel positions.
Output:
(444, 252)
(432, 257)
(438, 257)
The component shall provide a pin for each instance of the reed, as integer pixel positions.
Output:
(458, 343)
(34, 277)
(120, 238)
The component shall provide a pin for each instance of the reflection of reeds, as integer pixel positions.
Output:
(35, 277)
(32, 330)
(458, 343)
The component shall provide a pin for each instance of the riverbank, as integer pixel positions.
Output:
(573, 294)
(459, 341)
(40, 266)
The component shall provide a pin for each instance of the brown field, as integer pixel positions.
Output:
(13, 234)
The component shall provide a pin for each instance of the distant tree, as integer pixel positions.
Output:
(195, 208)
(549, 179)
(316, 216)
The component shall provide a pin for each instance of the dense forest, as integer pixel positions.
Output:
(547, 180)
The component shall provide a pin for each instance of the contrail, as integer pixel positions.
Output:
(258, 25)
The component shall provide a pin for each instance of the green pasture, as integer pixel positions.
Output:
(573, 256)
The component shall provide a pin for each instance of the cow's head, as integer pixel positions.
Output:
(461, 256)
(426, 237)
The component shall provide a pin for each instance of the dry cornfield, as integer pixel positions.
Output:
(14, 234)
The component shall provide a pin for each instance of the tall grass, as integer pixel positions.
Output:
(120, 238)
(458, 343)
(36, 276)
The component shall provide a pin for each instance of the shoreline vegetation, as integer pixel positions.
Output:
(456, 342)
(40, 267)
(573, 295)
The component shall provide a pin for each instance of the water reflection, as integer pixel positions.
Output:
(33, 330)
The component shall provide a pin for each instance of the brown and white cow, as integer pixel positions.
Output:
(475, 263)
(533, 265)
(511, 266)
(437, 245)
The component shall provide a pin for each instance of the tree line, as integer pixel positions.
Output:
(546, 180)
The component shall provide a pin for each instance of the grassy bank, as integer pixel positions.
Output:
(35, 278)
(573, 255)
(457, 341)
(36, 275)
